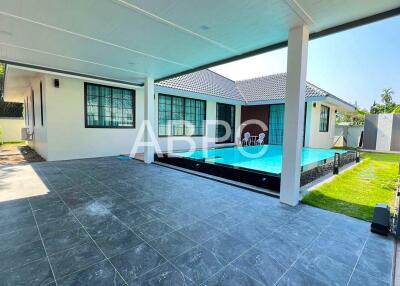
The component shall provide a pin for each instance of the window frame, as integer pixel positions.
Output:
(41, 102)
(33, 108)
(234, 123)
(133, 92)
(328, 109)
(184, 115)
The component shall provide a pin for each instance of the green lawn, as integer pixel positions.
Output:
(356, 192)
(13, 143)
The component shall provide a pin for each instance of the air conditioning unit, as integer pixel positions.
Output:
(26, 134)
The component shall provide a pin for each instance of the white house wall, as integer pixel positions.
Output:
(64, 136)
(316, 138)
(67, 136)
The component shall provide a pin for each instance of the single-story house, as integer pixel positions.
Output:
(74, 117)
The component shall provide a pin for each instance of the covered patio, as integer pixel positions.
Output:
(111, 222)
(107, 222)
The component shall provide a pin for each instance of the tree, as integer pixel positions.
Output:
(356, 117)
(387, 99)
(386, 96)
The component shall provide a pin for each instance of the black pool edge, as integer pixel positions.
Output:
(259, 179)
(233, 183)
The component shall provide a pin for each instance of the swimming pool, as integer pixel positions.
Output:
(246, 157)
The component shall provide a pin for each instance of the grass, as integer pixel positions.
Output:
(356, 191)
(13, 143)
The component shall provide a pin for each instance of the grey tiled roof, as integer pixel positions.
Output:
(265, 88)
(272, 87)
(205, 82)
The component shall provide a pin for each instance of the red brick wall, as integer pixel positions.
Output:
(259, 112)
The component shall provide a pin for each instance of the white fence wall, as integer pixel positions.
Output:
(352, 135)
(11, 129)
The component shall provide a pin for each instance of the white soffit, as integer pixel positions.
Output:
(127, 40)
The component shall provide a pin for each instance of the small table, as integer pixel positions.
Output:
(253, 140)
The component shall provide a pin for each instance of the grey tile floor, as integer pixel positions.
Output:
(110, 222)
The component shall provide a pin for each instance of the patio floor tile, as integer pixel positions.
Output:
(198, 264)
(37, 273)
(136, 262)
(164, 274)
(172, 244)
(21, 255)
(226, 247)
(117, 243)
(57, 240)
(199, 231)
(231, 276)
(75, 259)
(283, 250)
(260, 266)
(159, 226)
(152, 229)
(19, 237)
(100, 274)
(295, 277)
(324, 268)
(363, 279)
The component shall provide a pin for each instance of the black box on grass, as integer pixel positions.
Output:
(381, 220)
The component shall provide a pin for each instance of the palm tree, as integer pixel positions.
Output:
(386, 96)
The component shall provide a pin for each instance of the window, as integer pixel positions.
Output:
(41, 103)
(225, 112)
(324, 119)
(109, 107)
(180, 116)
(27, 109)
(33, 108)
(276, 124)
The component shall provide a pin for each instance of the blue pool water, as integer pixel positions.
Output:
(246, 157)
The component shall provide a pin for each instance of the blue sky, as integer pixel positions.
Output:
(355, 64)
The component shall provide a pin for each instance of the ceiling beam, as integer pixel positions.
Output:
(92, 39)
(300, 12)
(66, 72)
(175, 26)
(316, 35)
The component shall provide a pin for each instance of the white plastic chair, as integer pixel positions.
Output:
(246, 139)
(260, 139)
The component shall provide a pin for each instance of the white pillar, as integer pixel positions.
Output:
(294, 115)
(149, 118)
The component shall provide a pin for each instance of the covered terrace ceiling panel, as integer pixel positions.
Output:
(127, 40)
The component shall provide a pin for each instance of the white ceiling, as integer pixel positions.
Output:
(128, 40)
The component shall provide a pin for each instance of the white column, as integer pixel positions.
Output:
(149, 118)
(294, 115)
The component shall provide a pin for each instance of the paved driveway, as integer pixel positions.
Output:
(111, 222)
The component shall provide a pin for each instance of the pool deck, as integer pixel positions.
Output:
(110, 222)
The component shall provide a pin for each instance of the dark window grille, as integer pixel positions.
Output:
(324, 119)
(33, 108)
(109, 107)
(180, 116)
(225, 112)
(41, 103)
